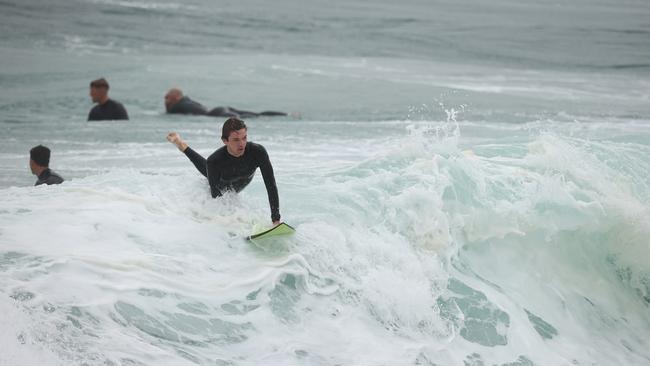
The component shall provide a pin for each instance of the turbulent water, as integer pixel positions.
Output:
(469, 181)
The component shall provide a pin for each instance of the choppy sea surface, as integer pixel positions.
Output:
(469, 181)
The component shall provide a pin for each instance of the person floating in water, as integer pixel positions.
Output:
(106, 108)
(233, 166)
(39, 160)
(177, 103)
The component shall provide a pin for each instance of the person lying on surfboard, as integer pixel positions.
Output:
(177, 103)
(233, 166)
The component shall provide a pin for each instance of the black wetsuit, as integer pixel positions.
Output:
(227, 172)
(110, 110)
(48, 177)
(188, 106)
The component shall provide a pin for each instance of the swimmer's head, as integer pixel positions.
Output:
(172, 97)
(99, 90)
(100, 83)
(231, 125)
(234, 136)
(39, 158)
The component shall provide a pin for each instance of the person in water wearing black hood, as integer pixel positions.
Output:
(177, 103)
(39, 160)
(232, 167)
(106, 108)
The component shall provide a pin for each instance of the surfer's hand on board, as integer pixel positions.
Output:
(276, 223)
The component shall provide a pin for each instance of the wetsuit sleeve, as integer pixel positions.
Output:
(196, 159)
(269, 182)
(214, 177)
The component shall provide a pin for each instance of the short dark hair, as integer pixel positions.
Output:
(99, 83)
(232, 124)
(40, 154)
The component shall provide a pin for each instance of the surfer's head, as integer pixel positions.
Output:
(173, 96)
(99, 90)
(234, 135)
(39, 158)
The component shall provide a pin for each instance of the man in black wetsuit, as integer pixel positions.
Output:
(39, 160)
(233, 166)
(177, 103)
(106, 108)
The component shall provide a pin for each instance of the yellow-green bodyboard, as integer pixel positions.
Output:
(281, 229)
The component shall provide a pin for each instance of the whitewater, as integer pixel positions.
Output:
(469, 182)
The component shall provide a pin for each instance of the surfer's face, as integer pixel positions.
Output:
(33, 166)
(236, 143)
(97, 95)
(172, 97)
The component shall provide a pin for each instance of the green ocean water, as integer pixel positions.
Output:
(468, 181)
